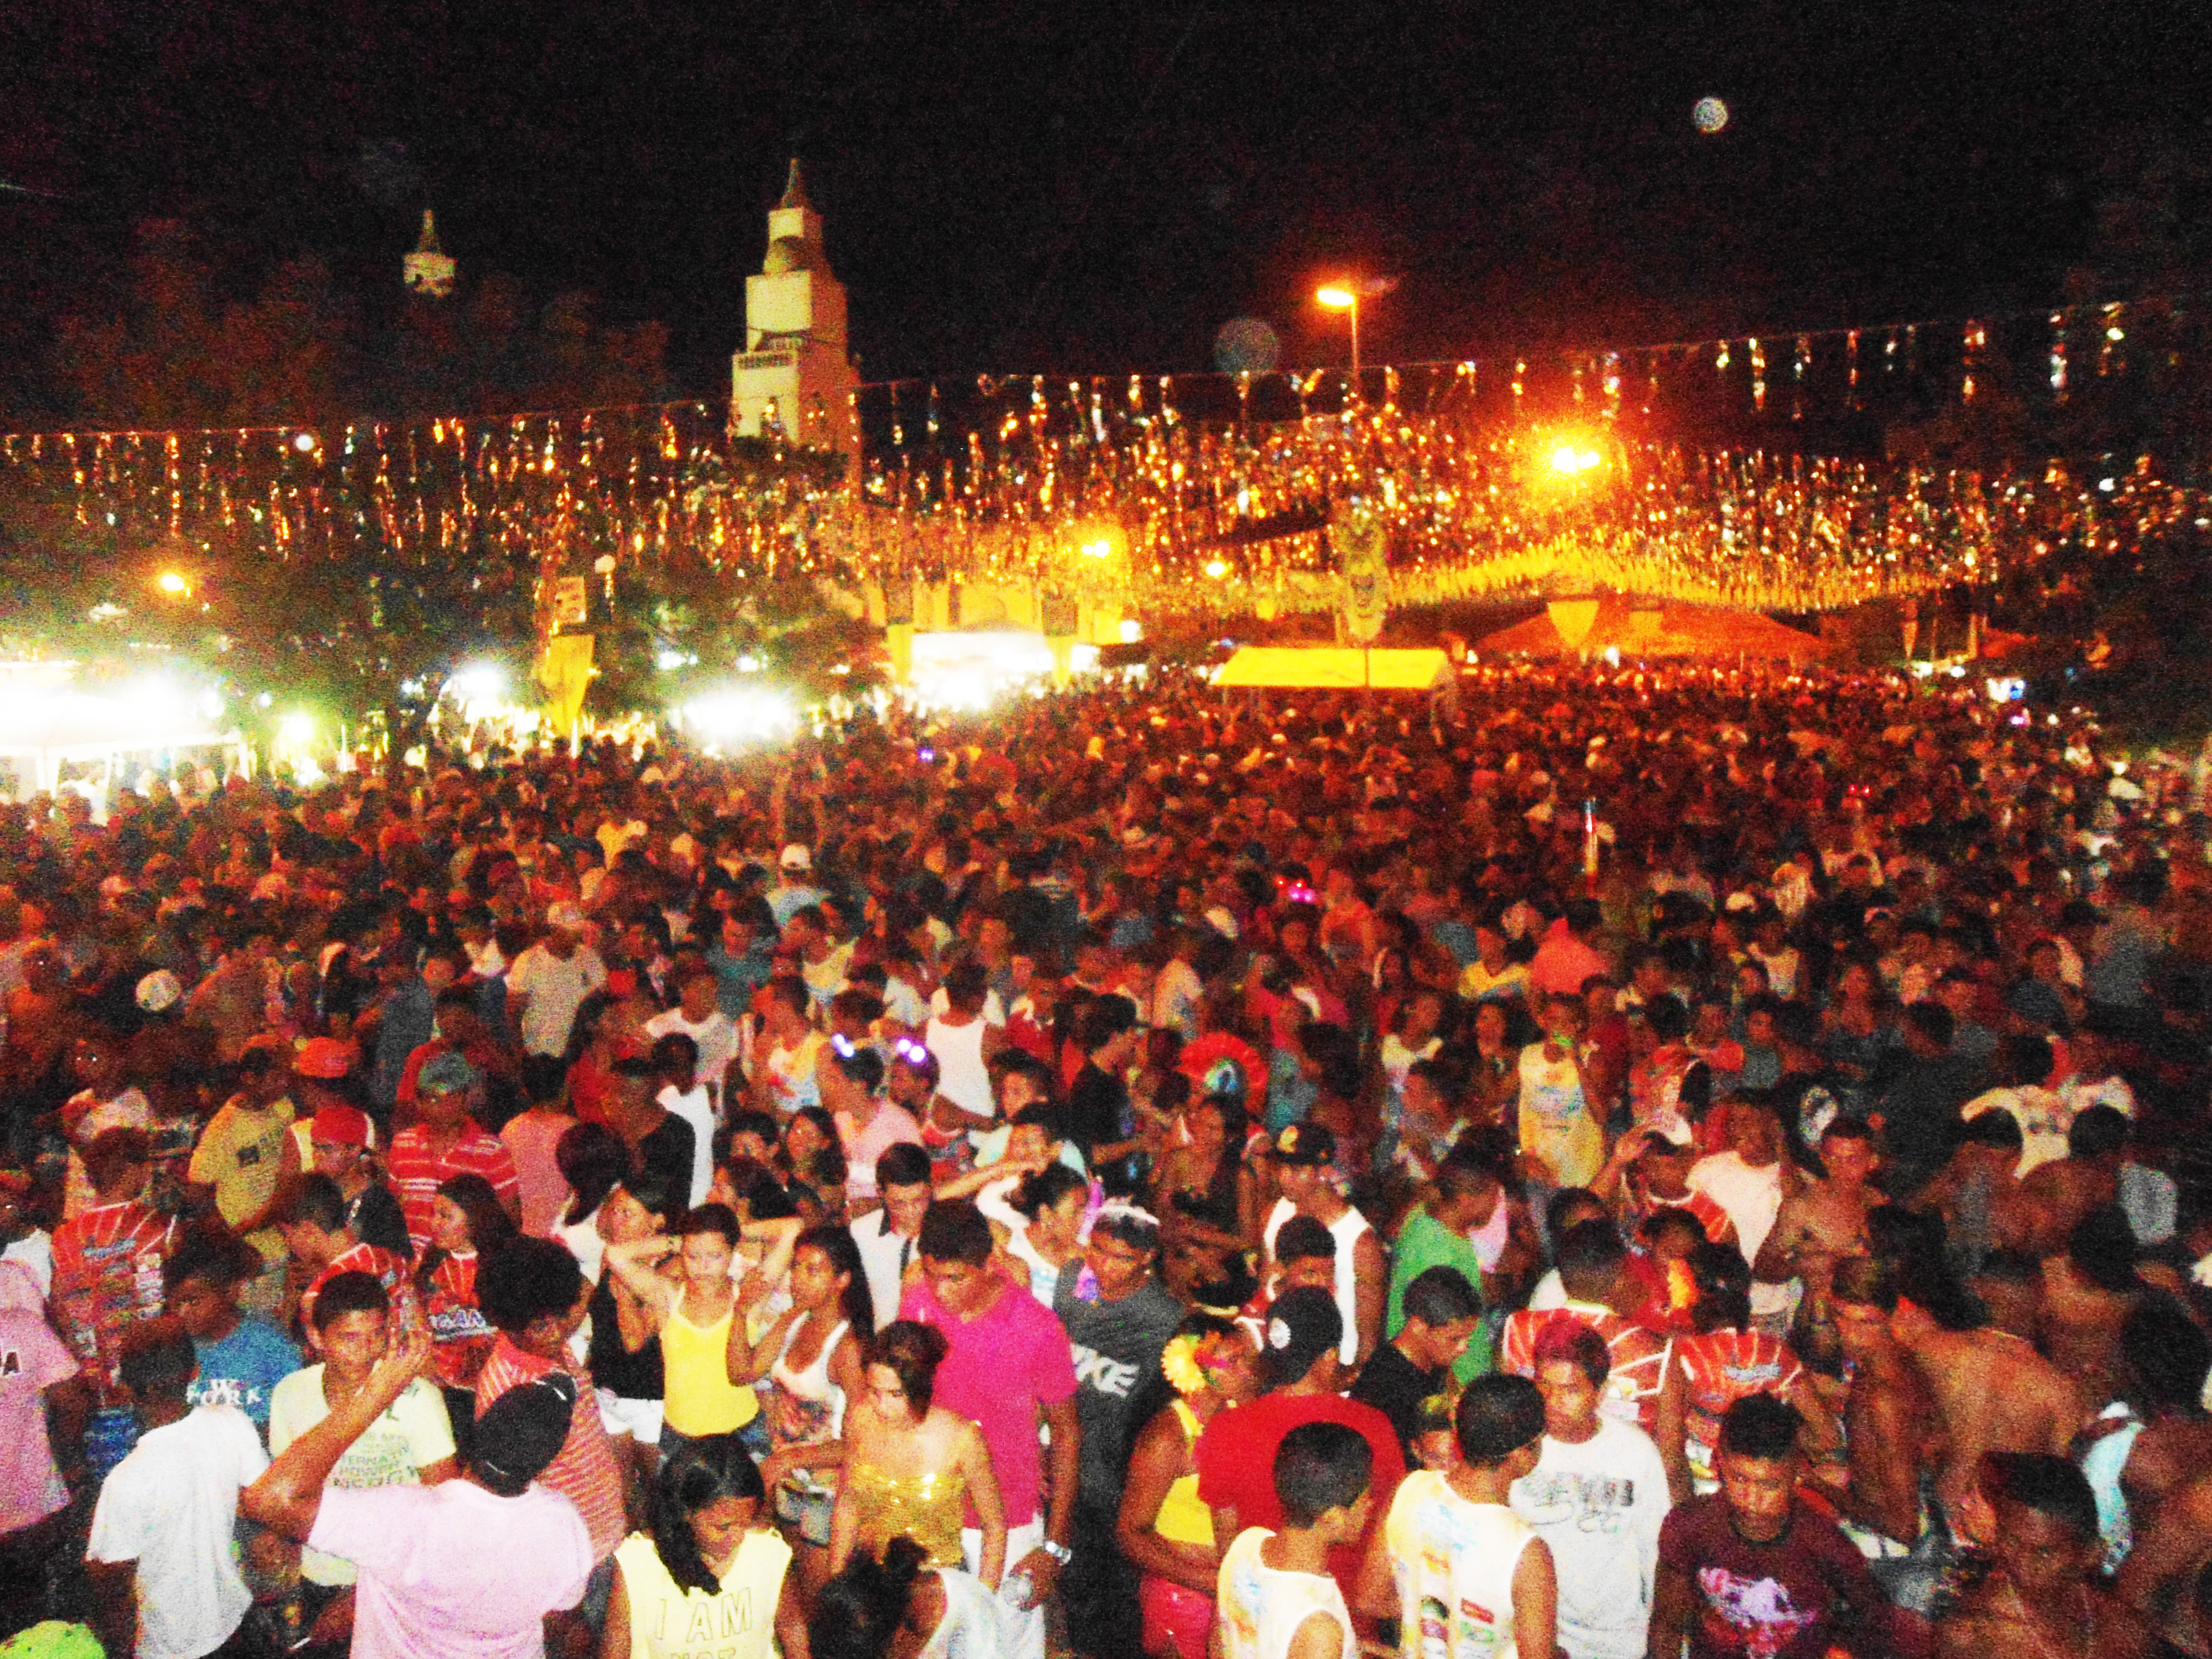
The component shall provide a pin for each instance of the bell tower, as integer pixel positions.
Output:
(429, 268)
(794, 377)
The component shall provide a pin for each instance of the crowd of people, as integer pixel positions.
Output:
(1620, 1162)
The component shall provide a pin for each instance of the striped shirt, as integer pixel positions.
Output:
(107, 1276)
(1720, 1368)
(1639, 1359)
(584, 1471)
(417, 1170)
(394, 1272)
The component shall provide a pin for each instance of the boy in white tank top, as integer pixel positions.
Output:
(1461, 1573)
(1275, 1597)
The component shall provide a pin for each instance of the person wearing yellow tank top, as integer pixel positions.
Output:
(1165, 1530)
(699, 1313)
(708, 1582)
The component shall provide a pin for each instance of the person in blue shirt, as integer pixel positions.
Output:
(744, 958)
(241, 1358)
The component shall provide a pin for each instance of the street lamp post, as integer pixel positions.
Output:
(1345, 296)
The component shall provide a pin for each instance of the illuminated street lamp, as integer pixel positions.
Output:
(1345, 296)
(175, 584)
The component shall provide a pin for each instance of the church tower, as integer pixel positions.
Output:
(429, 268)
(793, 376)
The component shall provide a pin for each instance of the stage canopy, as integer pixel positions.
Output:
(1647, 627)
(1331, 668)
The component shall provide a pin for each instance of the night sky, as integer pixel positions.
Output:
(1097, 186)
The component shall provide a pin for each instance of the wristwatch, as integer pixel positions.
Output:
(1059, 1552)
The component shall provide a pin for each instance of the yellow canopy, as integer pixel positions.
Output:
(1332, 668)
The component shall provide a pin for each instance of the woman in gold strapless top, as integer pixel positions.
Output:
(912, 1468)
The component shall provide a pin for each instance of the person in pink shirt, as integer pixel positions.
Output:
(532, 1137)
(468, 1569)
(1008, 1367)
(33, 1366)
(868, 1126)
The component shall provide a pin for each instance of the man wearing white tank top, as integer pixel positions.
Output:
(1275, 1597)
(1305, 1154)
(963, 1042)
(1453, 1564)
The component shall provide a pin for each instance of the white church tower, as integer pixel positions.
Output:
(794, 377)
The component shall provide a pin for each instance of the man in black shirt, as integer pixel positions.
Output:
(1098, 1118)
(1441, 1312)
(662, 1144)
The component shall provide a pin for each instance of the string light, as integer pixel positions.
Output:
(1205, 492)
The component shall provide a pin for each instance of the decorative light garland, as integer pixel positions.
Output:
(1215, 492)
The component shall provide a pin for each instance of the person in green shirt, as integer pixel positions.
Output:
(1465, 1222)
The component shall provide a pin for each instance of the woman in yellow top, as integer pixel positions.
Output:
(911, 1466)
(1165, 1531)
(706, 1583)
(699, 1311)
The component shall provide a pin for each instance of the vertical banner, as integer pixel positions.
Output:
(565, 672)
(1060, 615)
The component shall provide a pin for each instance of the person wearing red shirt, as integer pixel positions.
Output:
(318, 1231)
(534, 1294)
(444, 1142)
(1593, 1272)
(1566, 960)
(108, 1259)
(1237, 1453)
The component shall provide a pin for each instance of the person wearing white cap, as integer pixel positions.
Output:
(550, 980)
(794, 888)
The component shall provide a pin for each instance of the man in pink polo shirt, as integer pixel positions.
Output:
(1009, 1367)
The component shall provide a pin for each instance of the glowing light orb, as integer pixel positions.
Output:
(1217, 568)
(303, 441)
(1245, 345)
(1711, 115)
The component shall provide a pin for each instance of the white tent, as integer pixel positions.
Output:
(48, 721)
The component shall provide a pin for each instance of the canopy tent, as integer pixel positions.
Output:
(48, 723)
(1647, 627)
(1333, 668)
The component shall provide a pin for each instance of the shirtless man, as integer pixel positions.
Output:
(2059, 1194)
(1978, 1194)
(1823, 1222)
(1890, 1422)
(1993, 1393)
(2043, 1596)
(2088, 1293)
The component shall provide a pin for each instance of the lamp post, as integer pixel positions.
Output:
(1346, 295)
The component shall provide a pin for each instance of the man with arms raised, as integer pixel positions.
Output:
(468, 1569)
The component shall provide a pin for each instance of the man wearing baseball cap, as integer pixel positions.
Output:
(1305, 1170)
(794, 888)
(444, 1142)
(1237, 1453)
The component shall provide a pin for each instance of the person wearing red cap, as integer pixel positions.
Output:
(340, 1146)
